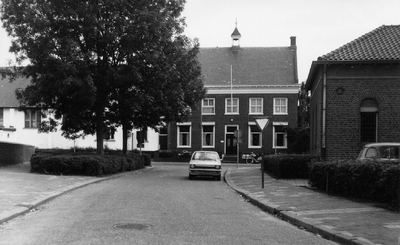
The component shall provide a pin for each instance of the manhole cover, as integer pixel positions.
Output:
(132, 226)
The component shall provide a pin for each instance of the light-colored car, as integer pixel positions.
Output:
(205, 163)
(380, 151)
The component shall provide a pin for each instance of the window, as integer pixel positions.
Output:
(280, 137)
(254, 137)
(232, 108)
(208, 136)
(32, 119)
(369, 120)
(1, 117)
(208, 106)
(184, 136)
(256, 106)
(109, 133)
(280, 106)
(141, 137)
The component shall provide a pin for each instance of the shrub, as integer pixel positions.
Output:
(288, 166)
(369, 180)
(86, 164)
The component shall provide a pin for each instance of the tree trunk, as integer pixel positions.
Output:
(124, 139)
(99, 133)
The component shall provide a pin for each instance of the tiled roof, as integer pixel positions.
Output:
(7, 91)
(383, 43)
(250, 66)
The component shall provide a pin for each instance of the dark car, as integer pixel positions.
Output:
(380, 151)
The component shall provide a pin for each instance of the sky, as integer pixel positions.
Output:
(320, 26)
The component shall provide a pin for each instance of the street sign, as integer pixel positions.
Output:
(238, 134)
(262, 123)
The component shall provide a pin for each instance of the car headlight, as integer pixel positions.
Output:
(191, 165)
(218, 166)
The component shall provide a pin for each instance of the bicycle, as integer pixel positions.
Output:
(253, 158)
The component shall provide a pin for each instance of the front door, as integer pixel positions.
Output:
(230, 144)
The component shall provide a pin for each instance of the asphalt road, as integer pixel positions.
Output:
(158, 206)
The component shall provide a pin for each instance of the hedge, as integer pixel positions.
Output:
(369, 180)
(288, 166)
(86, 164)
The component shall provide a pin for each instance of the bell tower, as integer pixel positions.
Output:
(236, 37)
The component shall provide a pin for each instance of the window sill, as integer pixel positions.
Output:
(8, 129)
(254, 147)
(183, 146)
(256, 114)
(231, 114)
(208, 114)
(281, 114)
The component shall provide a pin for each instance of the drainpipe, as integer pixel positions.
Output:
(323, 150)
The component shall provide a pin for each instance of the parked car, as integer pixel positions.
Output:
(380, 151)
(205, 163)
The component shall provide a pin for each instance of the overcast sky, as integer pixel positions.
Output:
(320, 26)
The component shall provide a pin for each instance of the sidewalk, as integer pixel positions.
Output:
(21, 191)
(334, 218)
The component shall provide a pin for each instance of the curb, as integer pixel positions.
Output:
(292, 218)
(26, 207)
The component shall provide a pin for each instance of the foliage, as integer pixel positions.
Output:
(288, 166)
(298, 140)
(101, 64)
(86, 164)
(368, 180)
(304, 107)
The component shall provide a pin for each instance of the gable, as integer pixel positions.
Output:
(250, 66)
(7, 91)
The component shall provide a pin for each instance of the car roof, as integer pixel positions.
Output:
(382, 144)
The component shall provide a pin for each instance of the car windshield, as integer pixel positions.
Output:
(205, 156)
(389, 152)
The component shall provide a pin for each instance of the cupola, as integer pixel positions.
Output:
(236, 37)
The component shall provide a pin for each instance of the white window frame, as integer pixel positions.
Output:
(179, 134)
(203, 134)
(232, 107)
(256, 106)
(276, 112)
(28, 118)
(250, 140)
(203, 106)
(274, 135)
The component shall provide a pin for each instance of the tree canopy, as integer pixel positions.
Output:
(104, 63)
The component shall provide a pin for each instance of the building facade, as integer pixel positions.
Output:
(243, 84)
(355, 95)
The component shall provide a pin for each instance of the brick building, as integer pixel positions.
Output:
(264, 85)
(355, 95)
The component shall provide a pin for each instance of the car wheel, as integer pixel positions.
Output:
(219, 178)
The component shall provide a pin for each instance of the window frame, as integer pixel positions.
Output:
(189, 135)
(29, 122)
(203, 107)
(275, 138)
(251, 134)
(232, 106)
(281, 106)
(256, 106)
(212, 135)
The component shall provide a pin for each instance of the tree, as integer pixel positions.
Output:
(104, 63)
(299, 137)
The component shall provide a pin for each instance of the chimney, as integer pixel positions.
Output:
(293, 42)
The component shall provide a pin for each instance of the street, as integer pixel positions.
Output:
(157, 206)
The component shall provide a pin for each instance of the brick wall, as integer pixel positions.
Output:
(347, 87)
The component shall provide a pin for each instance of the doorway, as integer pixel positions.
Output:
(230, 143)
